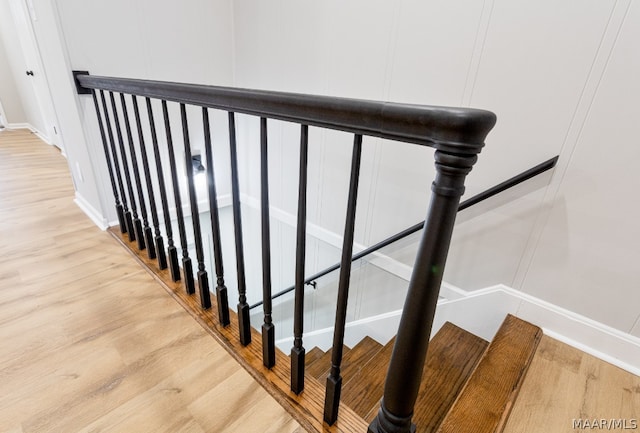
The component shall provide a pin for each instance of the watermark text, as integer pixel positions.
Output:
(605, 424)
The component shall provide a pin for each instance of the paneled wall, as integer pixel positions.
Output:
(587, 251)
(561, 76)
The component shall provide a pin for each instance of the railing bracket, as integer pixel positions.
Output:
(79, 88)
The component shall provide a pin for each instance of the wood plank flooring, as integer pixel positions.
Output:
(306, 408)
(88, 340)
(564, 384)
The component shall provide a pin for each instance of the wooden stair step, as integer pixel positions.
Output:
(353, 360)
(485, 402)
(361, 354)
(312, 355)
(318, 368)
(365, 388)
(452, 356)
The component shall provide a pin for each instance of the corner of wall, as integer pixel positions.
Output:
(91, 212)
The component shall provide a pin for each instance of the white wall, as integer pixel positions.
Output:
(587, 253)
(560, 77)
(162, 40)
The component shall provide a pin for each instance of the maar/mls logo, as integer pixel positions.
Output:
(605, 424)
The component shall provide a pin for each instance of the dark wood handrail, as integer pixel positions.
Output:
(458, 130)
(494, 190)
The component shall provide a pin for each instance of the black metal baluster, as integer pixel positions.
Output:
(148, 233)
(136, 175)
(268, 329)
(187, 268)
(133, 215)
(105, 146)
(221, 290)
(116, 164)
(334, 380)
(124, 209)
(298, 351)
(162, 258)
(243, 308)
(203, 279)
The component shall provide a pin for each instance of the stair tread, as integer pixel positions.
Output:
(484, 404)
(365, 388)
(320, 366)
(451, 358)
(312, 355)
(358, 357)
(353, 360)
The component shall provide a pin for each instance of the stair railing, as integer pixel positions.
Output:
(456, 134)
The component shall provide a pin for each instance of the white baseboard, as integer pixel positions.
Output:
(19, 126)
(91, 212)
(224, 201)
(488, 306)
(203, 206)
(44, 137)
(481, 313)
(602, 341)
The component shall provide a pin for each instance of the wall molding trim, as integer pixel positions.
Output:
(31, 128)
(19, 126)
(481, 312)
(91, 212)
(203, 207)
(487, 307)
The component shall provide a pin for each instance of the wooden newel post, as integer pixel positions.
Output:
(410, 349)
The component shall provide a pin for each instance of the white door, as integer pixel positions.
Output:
(44, 111)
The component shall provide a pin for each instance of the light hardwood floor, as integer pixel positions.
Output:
(88, 340)
(564, 383)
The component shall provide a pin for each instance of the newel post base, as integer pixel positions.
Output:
(410, 349)
(388, 423)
